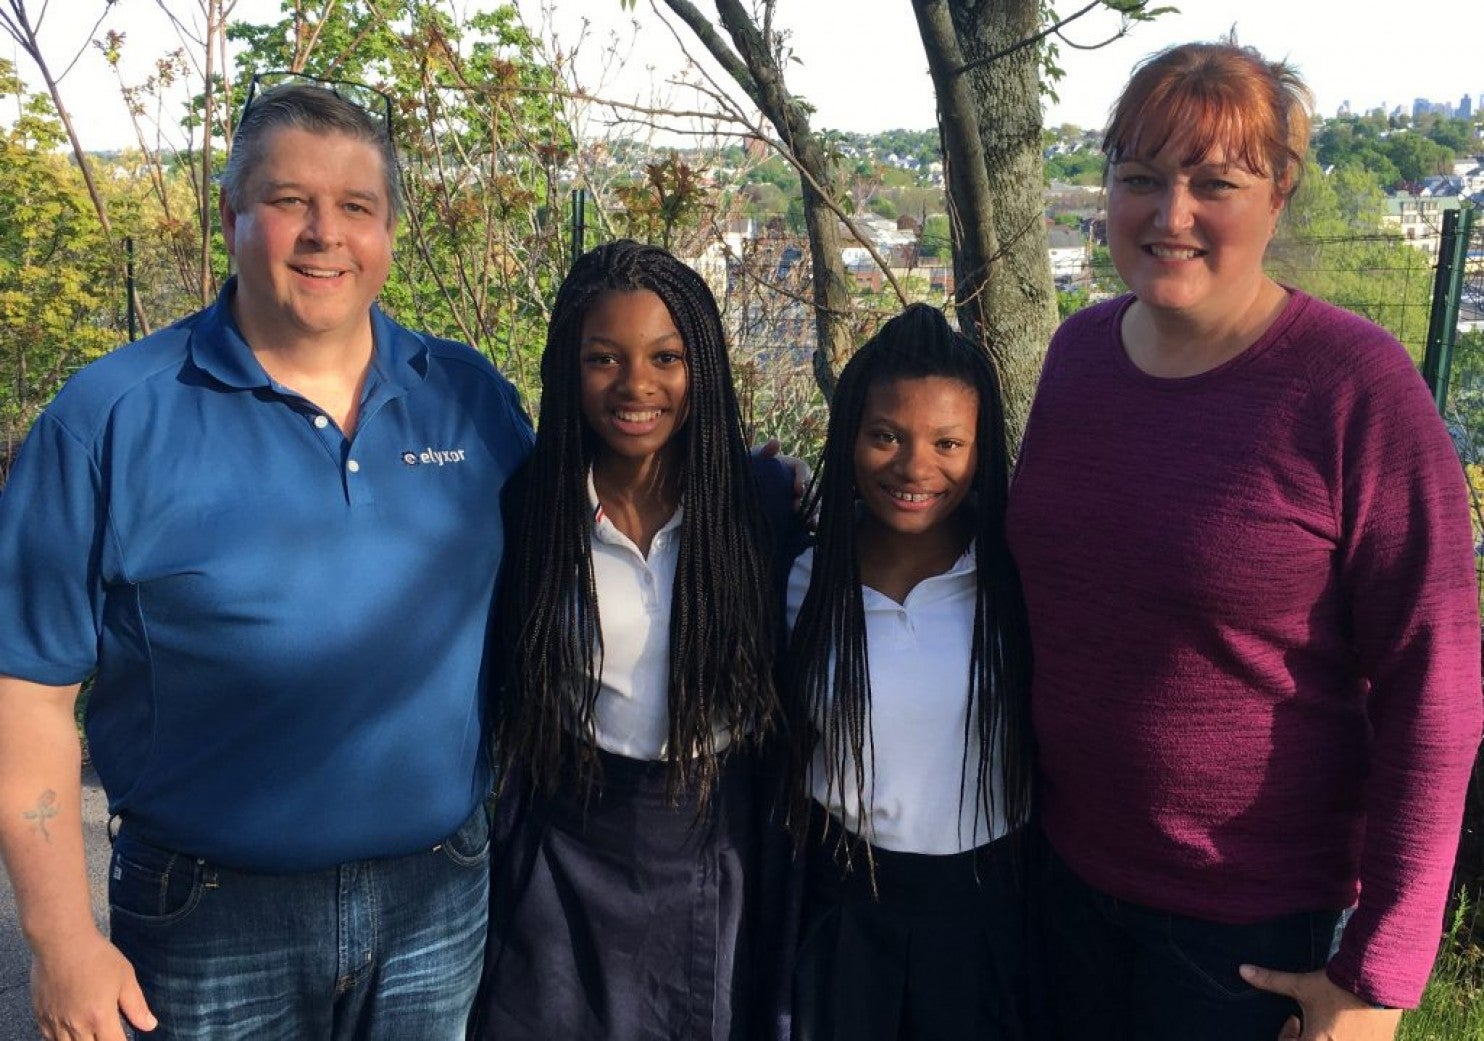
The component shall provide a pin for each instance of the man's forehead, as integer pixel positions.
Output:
(294, 152)
(294, 138)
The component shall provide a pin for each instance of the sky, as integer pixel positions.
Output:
(860, 62)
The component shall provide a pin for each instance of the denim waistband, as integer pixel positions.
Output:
(122, 832)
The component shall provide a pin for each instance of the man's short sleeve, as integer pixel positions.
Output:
(52, 530)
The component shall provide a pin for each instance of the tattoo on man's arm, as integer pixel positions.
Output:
(46, 808)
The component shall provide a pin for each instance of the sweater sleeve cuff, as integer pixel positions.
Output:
(1374, 993)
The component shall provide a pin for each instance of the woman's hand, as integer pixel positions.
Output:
(1331, 1013)
(773, 449)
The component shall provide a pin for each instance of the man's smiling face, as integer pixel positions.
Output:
(313, 240)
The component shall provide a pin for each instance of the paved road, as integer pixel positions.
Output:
(15, 960)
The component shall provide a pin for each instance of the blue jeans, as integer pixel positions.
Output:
(1123, 972)
(371, 950)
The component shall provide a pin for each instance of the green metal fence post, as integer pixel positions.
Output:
(579, 223)
(1442, 326)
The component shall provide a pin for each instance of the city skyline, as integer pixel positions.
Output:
(1465, 107)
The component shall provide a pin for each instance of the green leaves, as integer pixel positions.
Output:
(56, 271)
(1331, 244)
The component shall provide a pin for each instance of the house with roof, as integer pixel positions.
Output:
(1068, 250)
(1419, 219)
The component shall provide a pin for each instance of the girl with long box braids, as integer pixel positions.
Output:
(909, 672)
(635, 641)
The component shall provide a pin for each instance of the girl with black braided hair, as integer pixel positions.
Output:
(909, 668)
(635, 643)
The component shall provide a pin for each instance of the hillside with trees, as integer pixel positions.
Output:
(1398, 152)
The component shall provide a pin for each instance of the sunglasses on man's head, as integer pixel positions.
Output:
(373, 102)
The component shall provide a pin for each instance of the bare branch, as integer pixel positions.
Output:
(727, 58)
(88, 39)
(1055, 27)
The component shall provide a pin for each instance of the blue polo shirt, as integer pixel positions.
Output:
(287, 625)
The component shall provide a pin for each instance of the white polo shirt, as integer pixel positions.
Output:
(918, 654)
(632, 714)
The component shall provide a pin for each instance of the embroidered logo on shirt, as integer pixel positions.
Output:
(430, 456)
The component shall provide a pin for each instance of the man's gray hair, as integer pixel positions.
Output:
(319, 111)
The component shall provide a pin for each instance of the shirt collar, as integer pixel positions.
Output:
(964, 565)
(606, 530)
(218, 349)
(961, 576)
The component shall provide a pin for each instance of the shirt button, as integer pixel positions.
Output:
(321, 422)
(353, 466)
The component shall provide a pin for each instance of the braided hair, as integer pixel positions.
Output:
(548, 638)
(828, 698)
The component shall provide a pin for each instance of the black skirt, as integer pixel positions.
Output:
(623, 916)
(939, 952)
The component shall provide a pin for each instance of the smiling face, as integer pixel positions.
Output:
(312, 242)
(915, 452)
(1189, 238)
(633, 376)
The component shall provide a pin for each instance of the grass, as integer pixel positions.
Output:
(1452, 1007)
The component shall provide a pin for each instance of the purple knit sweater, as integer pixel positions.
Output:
(1256, 632)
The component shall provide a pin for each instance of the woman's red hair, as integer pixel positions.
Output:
(1208, 94)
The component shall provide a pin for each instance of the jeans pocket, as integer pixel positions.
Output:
(153, 886)
(1210, 952)
(469, 846)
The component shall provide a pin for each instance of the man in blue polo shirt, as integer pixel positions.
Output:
(271, 531)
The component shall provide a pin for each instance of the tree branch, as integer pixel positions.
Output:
(731, 64)
(1029, 40)
(87, 40)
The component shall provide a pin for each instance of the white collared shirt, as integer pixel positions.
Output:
(632, 714)
(918, 654)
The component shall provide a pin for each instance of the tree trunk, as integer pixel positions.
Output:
(832, 325)
(1003, 277)
(971, 202)
(754, 67)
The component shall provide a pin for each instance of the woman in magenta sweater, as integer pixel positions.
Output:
(1246, 551)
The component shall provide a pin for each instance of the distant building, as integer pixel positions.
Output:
(711, 265)
(885, 234)
(1068, 250)
(1061, 197)
(737, 232)
(1438, 186)
(1420, 220)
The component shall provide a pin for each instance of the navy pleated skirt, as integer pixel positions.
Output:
(623, 916)
(939, 953)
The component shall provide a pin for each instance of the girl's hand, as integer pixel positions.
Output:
(1331, 1013)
